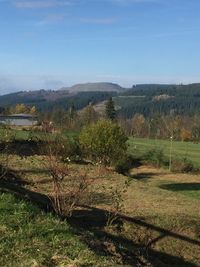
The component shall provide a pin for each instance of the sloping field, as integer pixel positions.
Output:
(160, 225)
(188, 150)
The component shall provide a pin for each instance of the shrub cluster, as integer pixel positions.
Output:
(156, 156)
(103, 142)
(184, 165)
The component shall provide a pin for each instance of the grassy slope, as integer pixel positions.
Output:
(187, 150)
(28, 237)
(160, 198)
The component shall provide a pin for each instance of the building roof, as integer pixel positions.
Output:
(22, 115)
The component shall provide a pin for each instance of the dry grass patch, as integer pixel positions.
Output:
(145, 201)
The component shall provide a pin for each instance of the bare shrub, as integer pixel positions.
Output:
(69, 187)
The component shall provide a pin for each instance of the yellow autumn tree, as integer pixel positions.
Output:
(33, 110)
(20, 108)
(185, 135)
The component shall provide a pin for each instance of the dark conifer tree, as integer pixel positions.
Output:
(110, 109)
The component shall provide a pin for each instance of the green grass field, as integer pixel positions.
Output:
(29, 237)
(180, 150)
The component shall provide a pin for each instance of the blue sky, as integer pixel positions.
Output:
(55, 43)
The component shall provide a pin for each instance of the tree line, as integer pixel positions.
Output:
(155, 125)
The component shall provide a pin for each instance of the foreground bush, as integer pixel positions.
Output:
(103, 142)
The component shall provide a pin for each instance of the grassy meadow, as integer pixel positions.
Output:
(180, 150)
(161, 226)
(158, 225)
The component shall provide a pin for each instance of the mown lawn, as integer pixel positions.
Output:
(188, 150)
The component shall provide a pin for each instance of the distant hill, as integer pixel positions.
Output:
(54, 95)
(80, 95)
(94, 87)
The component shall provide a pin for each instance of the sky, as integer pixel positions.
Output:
(54, 43)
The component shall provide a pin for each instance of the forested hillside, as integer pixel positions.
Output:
(146, 99)
(47, 102)
(162, 99)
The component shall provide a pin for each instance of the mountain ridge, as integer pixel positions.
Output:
(170, 98)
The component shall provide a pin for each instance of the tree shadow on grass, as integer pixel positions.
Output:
(126, 251)
(89, 224)
(32, 171)
(14, 184)
(23, 148)
(142, 176)
(181, 187)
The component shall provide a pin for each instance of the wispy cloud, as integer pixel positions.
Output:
(128, 2)
(51, 19)
(98, 20)
(134, 1)
(36, 4)
(40, 3)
